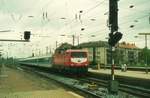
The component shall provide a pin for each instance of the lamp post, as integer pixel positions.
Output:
(78, 38)
(145, 34)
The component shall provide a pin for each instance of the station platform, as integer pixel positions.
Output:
(41, 94)
(17, 83)
(134, 74)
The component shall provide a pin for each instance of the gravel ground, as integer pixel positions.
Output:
(12, 80)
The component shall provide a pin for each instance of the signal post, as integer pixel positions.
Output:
(114, 37)
(26, 38)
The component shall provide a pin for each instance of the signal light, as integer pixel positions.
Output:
(114, 38)
(27, 35)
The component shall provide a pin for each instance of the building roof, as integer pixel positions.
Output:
(95, 44)
(75, 50)
(127, 45)
(105, 44)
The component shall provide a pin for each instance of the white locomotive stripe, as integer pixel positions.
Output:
(78, 60)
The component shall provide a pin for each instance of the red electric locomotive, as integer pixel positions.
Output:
(71, 60)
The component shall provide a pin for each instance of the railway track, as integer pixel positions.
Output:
(74, 84)
(96, 90)
(137, 91)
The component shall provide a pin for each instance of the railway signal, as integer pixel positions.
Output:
(27, 35)
(114, 38)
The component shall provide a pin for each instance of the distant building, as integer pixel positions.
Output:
(127, 53)
(99, 53)
(100, 56)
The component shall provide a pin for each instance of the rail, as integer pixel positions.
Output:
(98, 92)
(135, 90)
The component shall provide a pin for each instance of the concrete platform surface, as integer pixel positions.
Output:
(17, 83)
(42, 94)
(136, 74)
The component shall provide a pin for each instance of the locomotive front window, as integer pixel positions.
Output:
(78, 54)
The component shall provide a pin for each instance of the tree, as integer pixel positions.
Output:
(144, 54)
(63, 47)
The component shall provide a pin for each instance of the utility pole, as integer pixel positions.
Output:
(46, 50)
(145, 34)
(1, 53)
(0, 59)
(78, 38)
(73, 39)
(114, 37)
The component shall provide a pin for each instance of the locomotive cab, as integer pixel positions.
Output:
(77, 61)
(71, 61)
(79, 58)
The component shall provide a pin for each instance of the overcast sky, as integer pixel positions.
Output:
(49, 19)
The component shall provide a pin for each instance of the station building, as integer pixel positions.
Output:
(99, 53)
(127, 53)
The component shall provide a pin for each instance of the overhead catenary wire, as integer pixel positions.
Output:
(97, 35)
(88, 10)
(137, 18)
(49, 13)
